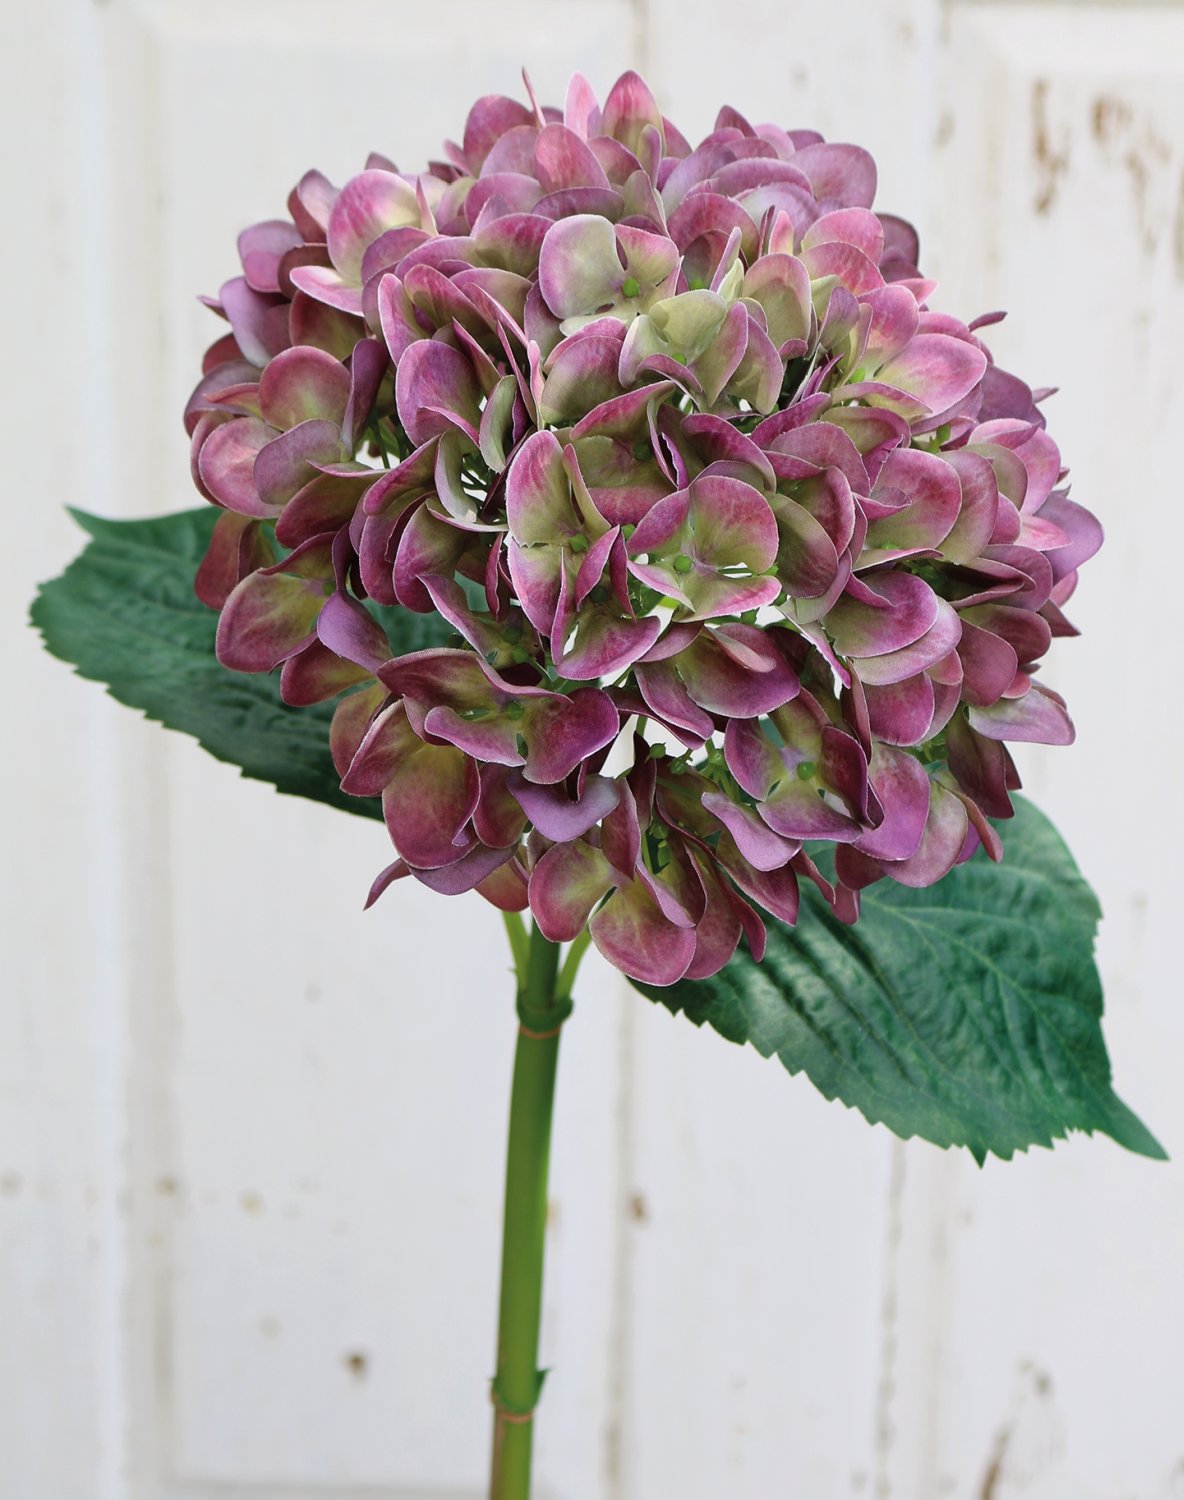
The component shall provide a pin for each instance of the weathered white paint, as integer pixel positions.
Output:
(250, 1139)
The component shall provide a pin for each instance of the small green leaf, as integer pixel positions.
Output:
(124, 614)
(968, 1014)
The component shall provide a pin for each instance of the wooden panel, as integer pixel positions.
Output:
(1043, 1300)
(761, 1295)
(62, 905)
(319, 1096)
(250, 1179)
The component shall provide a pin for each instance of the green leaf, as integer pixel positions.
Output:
(968, 1014)
(124, 614)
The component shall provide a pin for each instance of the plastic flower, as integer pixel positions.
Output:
(746, 548)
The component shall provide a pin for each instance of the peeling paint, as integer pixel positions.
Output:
(1108, 116)
(1117, 126)
(889, 1340)
(1052, 162)
(993, 1473)
(1178, 229)
(944, 133)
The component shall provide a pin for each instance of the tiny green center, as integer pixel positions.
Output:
(630, 286)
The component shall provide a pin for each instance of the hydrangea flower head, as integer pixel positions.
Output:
(743, 545)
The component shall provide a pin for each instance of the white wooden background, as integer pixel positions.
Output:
(250, 1139)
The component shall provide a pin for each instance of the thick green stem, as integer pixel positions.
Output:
(542, 1009)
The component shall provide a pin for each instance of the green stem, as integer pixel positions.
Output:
(571, 964)
(543, 1006)
(519, 943)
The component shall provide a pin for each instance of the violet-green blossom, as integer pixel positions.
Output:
(745, 545)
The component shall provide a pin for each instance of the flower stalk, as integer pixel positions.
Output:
(544, 1004)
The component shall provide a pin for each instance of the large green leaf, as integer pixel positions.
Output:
(124, 613)
(968, 1014)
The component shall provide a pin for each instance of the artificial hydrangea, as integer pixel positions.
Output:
(744, 547)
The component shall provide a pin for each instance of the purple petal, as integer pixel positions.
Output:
(848, 226)
(941, 843)
(781, 284)
(719, 683)
(1038, 717)
(927, 493)
(314, 674)
(351, 719)
(323, 327)
(368, 364)
(301, 384)
(751, 757)
(629, 108)
(979, 510)
(844, 173)
(351, 632)
(326, 503)
(556, 815)
(512, 242)
(1083, 529)
(901, 713)
(427, 803)
(266, 617)
(397, 870)
(262, 247)
(731, 524)
(579, 268)
(938, 641)
(538, 495)
(890, 611)
(581, 374)
(433, 379)
(490, 118)
(367, 206)
(1028, 634)
(807, 559)
(562, 730)
(989, 665)
(286, 464)
(662, 689)
(324, 284)
(982, 767)
(226, 464)
(466, 873)
(581, 111)
(633, 932)
(310, 203)
(605, 644)
(562, 159)
(901, 783)
(756, 841)
(774, 890)
(252, 317)
(565, 887)
(936, 368)
(498, 819)
(848, 264)
(507, 887)
(238, 546)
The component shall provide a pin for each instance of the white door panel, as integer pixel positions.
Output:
(251, 1138)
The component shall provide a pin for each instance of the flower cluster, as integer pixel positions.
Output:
(742, 544)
